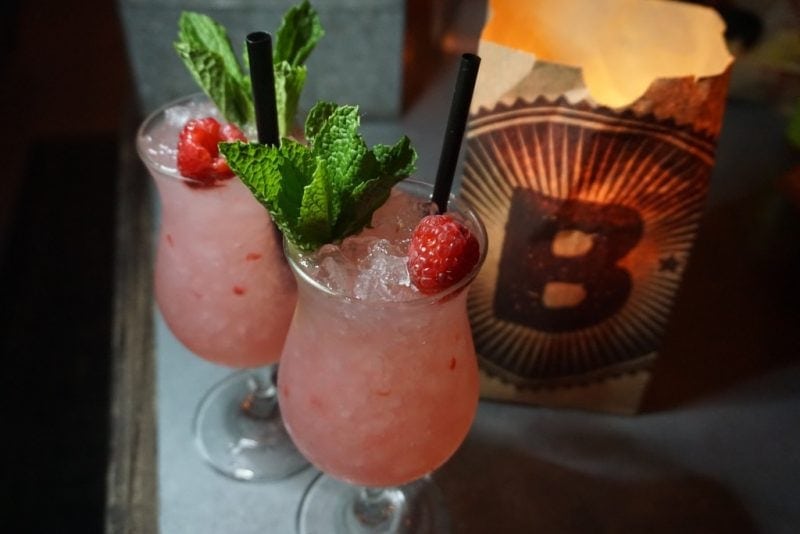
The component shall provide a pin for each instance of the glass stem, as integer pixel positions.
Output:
(376, 509)
(261, 402)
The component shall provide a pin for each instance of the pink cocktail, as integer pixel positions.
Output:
(221, 280)
(225, 291)
(378, 383)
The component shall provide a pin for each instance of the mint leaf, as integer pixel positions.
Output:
(362, 202)
(275, 176)
(296, 167)
(341, 146)
(318, 209)
(201, 31)
(206, 50)
(328, 190)
(289, 82)
(379, 170)
(298, 34)
(399, 159)
(316, 118)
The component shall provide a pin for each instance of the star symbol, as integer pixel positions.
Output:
(669, 263)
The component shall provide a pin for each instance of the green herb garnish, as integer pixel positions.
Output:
(298, 34)
(205, 48)
(329, 189)
(206, 51)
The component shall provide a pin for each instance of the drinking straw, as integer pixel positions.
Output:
(456, 124)
(262, 80)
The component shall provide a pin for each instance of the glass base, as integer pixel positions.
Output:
(333, 507)
(240, 443)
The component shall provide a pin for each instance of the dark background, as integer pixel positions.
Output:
(64, 86)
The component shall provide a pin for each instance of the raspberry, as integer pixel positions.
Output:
(198, 155)
(442, 252)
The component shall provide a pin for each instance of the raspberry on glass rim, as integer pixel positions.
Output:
(442, 252)
(198, 151)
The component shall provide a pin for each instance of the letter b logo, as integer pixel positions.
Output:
(558, 269)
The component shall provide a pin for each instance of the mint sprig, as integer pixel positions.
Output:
(327, 190)
(297, 36)
(205, 48)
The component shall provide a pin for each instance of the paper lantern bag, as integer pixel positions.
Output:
(589, 150)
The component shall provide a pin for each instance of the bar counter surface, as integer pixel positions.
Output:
(714, 448)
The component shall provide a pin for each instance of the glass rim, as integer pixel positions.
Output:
(148, 122)
(461, 207)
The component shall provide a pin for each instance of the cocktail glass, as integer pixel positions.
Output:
(377, 394)
(225, 291)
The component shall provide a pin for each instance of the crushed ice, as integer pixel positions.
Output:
(383, 275)
(177, 116)
(372, 264)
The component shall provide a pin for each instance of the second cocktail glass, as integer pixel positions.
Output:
(377, 393)
(225, 291)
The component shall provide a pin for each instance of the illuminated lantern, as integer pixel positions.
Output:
(589, 150)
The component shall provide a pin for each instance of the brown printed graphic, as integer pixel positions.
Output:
(591, 214)
(558, 269)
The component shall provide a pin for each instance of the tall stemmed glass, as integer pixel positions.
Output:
(225, 291)
(378, 393)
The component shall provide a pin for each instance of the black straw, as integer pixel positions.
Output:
(262, 79)
(456, 124)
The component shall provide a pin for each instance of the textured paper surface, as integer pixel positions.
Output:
(590, 144)
(619, 46)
